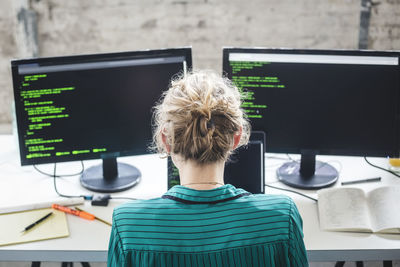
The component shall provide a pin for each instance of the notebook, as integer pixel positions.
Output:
(245, 169)
(12, 225)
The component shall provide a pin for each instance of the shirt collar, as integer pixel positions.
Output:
(213, 196)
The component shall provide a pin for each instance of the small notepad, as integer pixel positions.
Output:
(12, 225)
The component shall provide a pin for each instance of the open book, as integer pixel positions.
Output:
(353, 210)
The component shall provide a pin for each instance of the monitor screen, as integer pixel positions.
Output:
(90, 106)
(327, 102)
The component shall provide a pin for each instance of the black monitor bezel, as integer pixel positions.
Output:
(347, 152)
(186, 52)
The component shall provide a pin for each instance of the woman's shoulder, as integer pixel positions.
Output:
(139, 205)
(281, 204)
(272, 199)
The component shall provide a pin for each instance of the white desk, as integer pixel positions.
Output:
(88, 240)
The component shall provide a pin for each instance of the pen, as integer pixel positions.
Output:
(96, 218)
(81, 214)
(37, 222)
(375, 179)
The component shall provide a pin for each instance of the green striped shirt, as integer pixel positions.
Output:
(225, 226)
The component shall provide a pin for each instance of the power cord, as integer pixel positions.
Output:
(292, 191)
(55, 176)
(280, 158)
(129, 198)
(64, 175)
(292, 159)
(381, 168)
(86, 197)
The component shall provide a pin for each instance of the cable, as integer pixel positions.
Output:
(268, 166)
(291, 159)
(292, 191)
(288, 190)
(381, 168)
(55, 176)
(62, 195)
(64, 175)
(130, 198)
(275, 157)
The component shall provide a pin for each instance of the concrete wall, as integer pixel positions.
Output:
(76, 27)
(8, 50)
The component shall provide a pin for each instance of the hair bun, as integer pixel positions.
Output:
(200, 114)
(206, 126)
(201, 121)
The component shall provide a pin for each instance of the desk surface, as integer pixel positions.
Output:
(88, 240)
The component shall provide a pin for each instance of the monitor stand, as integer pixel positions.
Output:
(110, 176)
(308, 174)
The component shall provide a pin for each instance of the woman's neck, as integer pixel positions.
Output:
(201, 177)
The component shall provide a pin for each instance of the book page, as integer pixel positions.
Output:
(343, 209)
(383, 204)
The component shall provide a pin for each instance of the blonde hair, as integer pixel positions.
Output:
(200, 114)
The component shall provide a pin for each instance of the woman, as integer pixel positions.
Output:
(204, 222)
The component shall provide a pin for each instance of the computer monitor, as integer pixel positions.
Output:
(309, 102)
(95, 106)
